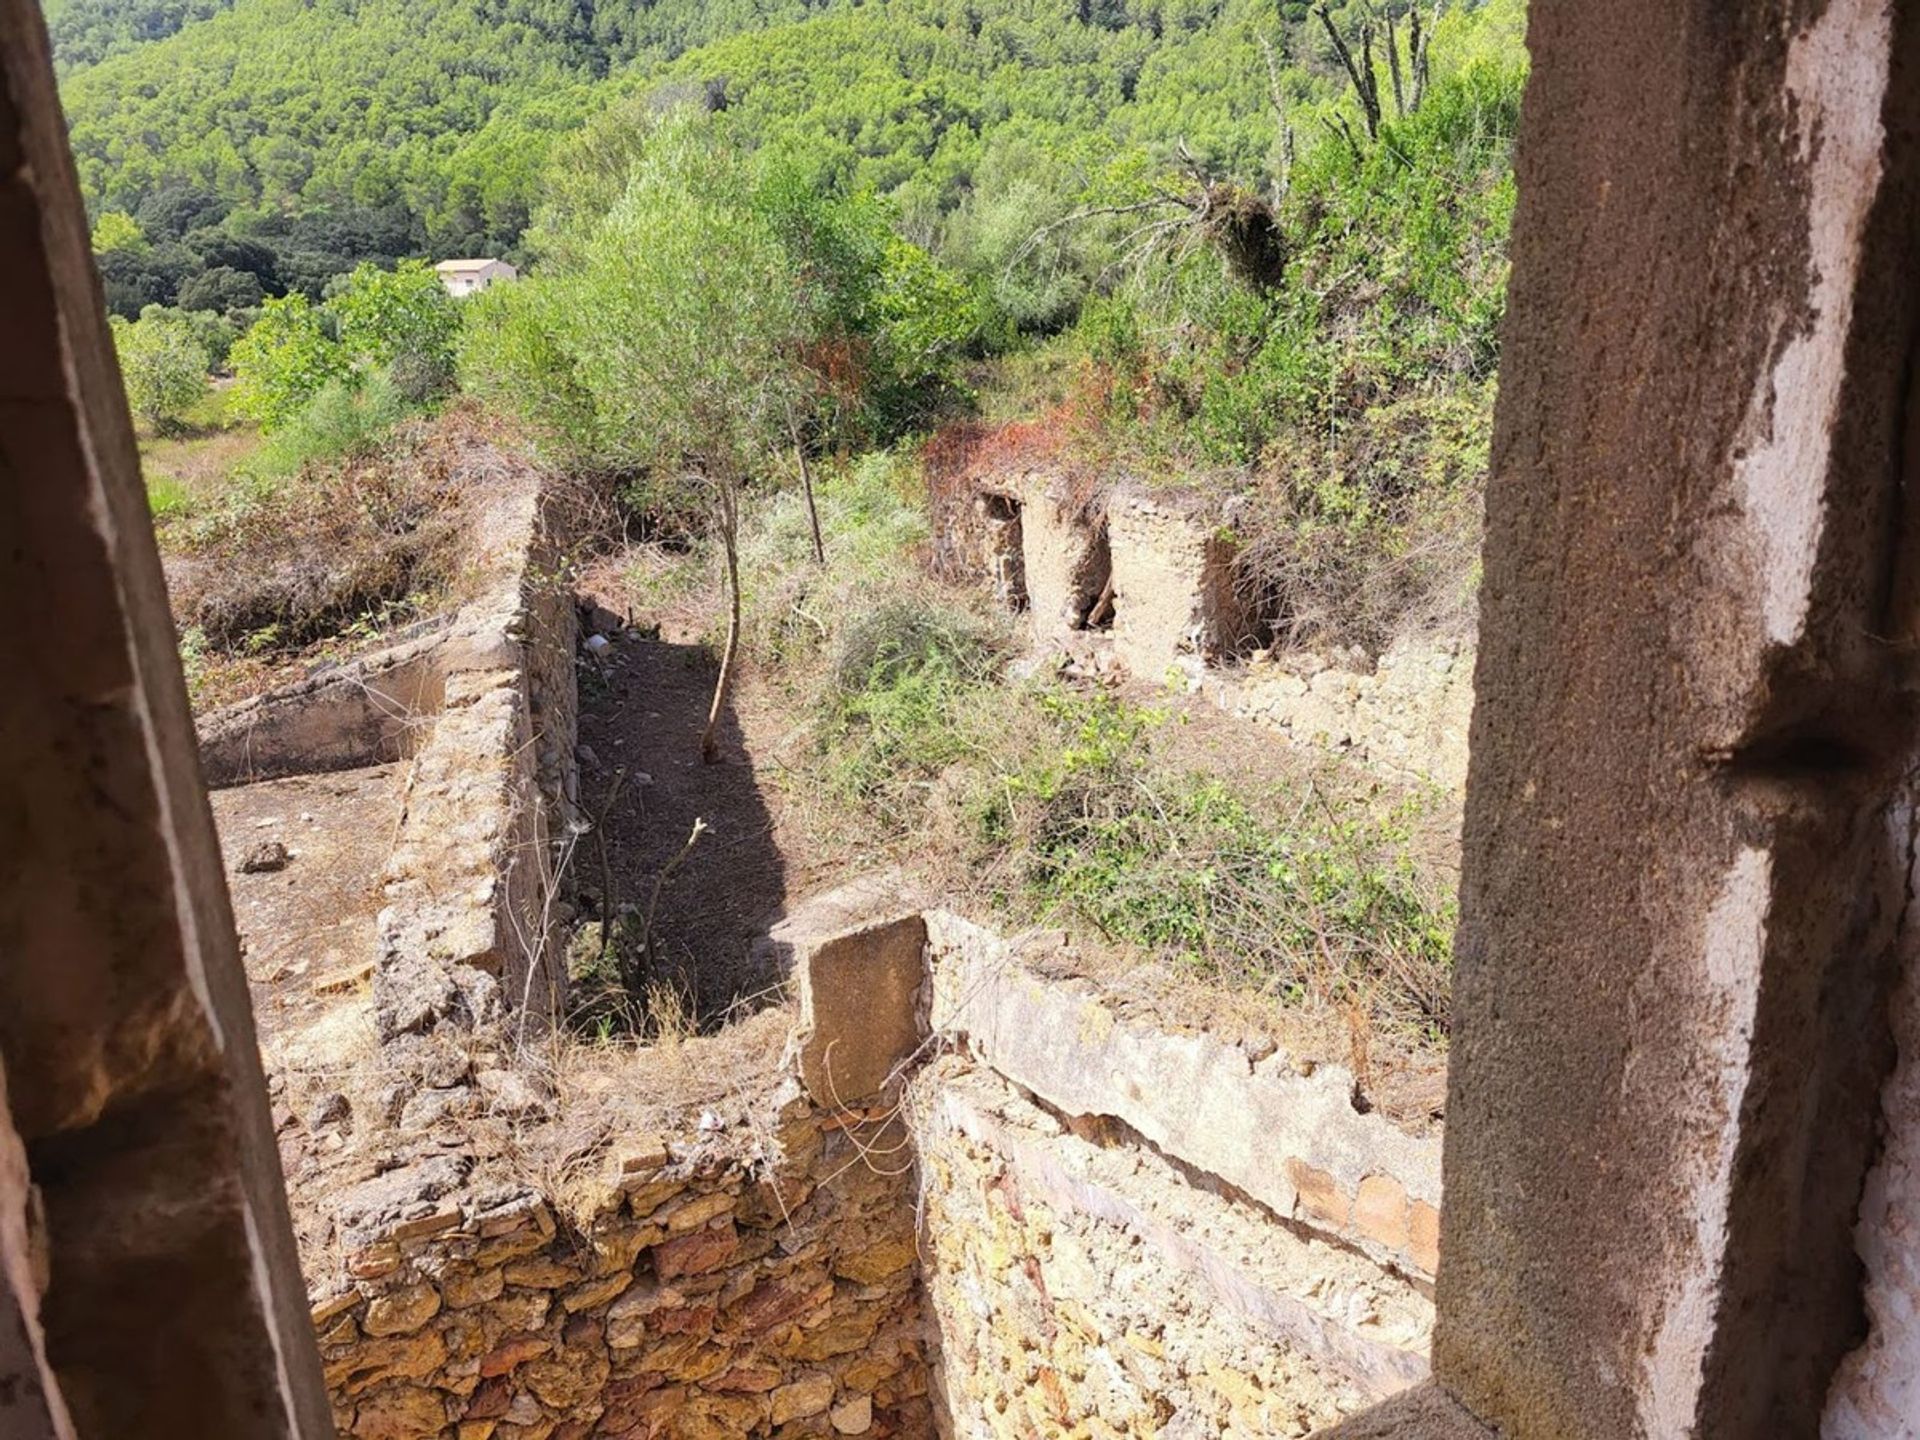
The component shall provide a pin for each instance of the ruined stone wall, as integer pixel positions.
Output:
(1404, 717)
(1063, 561)
(1146, 583)
(1139, 1232)
(1088, 1282)
(467, 933)
(551, 632)
(380, 706)
(1174, 600)
(1072, 1220)
(696, 1295)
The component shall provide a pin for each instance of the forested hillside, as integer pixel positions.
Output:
(272, 144)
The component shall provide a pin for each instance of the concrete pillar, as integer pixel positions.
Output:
(173, 1302)
(1690, 832)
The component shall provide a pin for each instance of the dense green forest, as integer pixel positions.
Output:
(1190, 235)
(276, 143)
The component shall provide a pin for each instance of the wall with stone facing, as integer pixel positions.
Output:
(1071, 1221)
(1406, 716)
(696, 1295)
(1133, 1231)
(1278, 1128)
(466, 934)
(1083, 1285)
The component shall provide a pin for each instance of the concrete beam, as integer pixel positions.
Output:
(1689, 821)
(173, 1302)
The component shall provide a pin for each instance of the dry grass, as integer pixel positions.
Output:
(296, 563)
(1323, 586)
(191, 469)
(270, 578)
(682, 1083)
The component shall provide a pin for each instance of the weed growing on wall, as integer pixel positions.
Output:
(1294, 889)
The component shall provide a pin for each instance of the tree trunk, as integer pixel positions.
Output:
(806, 484)
(1393, 62)
(1417, 42)
(1360, 71)
(729, 517)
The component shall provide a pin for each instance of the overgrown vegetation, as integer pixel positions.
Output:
(274, 564)
(264, 145)
(1054, 804)
(1058, 806)
(1269, 244)
(883, 247)
(164, 359)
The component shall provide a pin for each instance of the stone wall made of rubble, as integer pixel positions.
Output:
(1081, 1286)
(700, 1298)
(1404, 714)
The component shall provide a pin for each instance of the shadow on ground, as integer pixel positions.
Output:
(643, 703)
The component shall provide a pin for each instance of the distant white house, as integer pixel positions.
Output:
(468, 277)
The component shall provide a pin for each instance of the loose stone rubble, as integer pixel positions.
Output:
(1403, 715)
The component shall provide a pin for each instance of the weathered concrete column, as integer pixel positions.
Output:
(173, 1303)
(1690, 831)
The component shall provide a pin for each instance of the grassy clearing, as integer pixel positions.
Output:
(190, 469)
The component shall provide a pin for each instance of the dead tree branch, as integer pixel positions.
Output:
(1359, 71)
(1393, 66)
(806, 484)
(645, 970)
(608, 903)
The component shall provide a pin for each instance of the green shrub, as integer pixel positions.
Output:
(163, 363)
(899, 704)
(343, 421)
(1285, 888)
(405, 313)
(285, 359)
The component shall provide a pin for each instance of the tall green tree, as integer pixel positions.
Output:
(688, 323)
(284, 360)
(679, 324)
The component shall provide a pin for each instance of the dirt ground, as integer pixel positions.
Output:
(643, 704)
(308, 926)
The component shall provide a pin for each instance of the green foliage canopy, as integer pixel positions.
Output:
(116, 231)
(163, 363)
(675, 335)
(283, 361)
